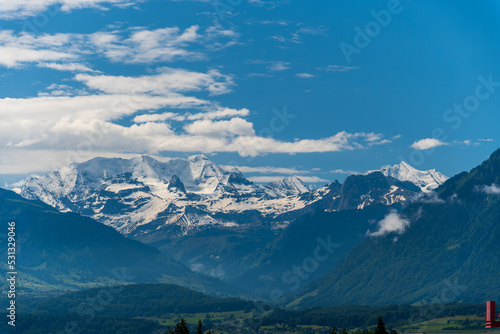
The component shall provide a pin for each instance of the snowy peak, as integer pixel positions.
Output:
(289, 186)
(427, 181)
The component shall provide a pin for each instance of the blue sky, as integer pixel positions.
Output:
(311, 88)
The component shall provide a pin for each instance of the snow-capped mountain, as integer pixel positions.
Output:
(188, 193)
(289, 186)
(180, 205)
(129, 193)
(427, 180)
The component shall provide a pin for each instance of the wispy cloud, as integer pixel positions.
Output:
(491, 190)
(66, 51)
(305, 75)
(392, 223)
(271, 65)
(23, 8)
(268, 3)
(429, 143)
(343, 171)
(431, 198)
(72, 67)
(296, 36)
(268, 22)
(279, 66)
(338, 68)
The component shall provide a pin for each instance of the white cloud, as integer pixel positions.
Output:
(158, 117)
(392, 223)
(168, 81)
(343, 171)
(15, 56)
(220, 113)
(235, 126)
(305, 75)
(296, 36)
(267, 179)
(491, 190)
(65, 122)
(23, 8)
(162, 45)
(272, 65)
(431, 198)
(279, 66)
(65, 51)
(73, 67)
(342, 141)
(146, 46)
(338, 68)
(268, 22)
(268, 3)
(21, 161)
(137, 114)
(427, 143)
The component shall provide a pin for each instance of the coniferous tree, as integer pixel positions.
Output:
(380, 327)
(181, 327)
(334, 330)
(199, 327)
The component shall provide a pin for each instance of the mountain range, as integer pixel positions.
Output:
(396, 235)
(218, 223)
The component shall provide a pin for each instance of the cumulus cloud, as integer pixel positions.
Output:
(392, 223)
(137, 114)
(64, 122)
(235, 126)
(491, 190)
(427, 143)
(158, 117)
